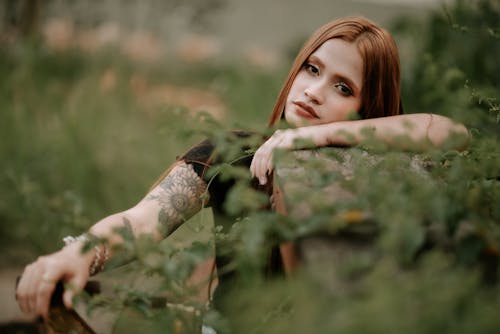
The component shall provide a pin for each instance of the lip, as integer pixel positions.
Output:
(305, 110)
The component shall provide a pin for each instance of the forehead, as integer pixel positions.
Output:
(341, 58)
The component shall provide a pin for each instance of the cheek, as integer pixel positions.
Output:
(301, 81)
(342, 109)
(292, 95)
(295, 89)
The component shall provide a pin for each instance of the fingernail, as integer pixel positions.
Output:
(262, 180)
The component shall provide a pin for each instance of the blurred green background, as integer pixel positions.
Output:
(96, 100)
(96, 97)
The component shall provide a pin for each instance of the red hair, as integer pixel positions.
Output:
(380, 93)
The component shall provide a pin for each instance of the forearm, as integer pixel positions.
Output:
(173, 201)
(419, 129)
(413, 131)
(107, 227)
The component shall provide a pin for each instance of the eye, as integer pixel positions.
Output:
(343, 88)
(311, 69)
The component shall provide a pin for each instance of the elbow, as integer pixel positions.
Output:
(448, 134)
(463, 137)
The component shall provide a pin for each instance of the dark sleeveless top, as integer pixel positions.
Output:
(202, 156)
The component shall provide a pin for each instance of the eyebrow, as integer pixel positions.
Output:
(341, 77)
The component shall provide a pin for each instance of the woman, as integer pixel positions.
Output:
(349, 66)
(321, 93)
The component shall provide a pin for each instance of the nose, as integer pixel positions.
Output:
(315, 93)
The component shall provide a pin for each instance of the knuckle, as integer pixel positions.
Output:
(30, 294)
(50, 262)
(44, 290)
(42, 261)
(20, 296)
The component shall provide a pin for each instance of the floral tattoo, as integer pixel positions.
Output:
(180, 195)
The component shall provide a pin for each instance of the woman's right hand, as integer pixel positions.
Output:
(262, 162)
(39, 278)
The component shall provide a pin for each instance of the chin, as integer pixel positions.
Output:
(295, 121)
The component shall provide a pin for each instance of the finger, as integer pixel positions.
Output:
(45, 290)
(255, 165)
(21, 291)
(281, 142)
(264, 155)
(263, 164)
(256, 162)
(30, 287)
(261, 171)
(269, 167)
(75, 285)
(258, 171)
(44, 283)
(252, 166)
(267, 161)
(263, 180)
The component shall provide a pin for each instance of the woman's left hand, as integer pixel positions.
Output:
(262, 160)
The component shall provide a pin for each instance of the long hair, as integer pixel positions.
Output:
(380, 93)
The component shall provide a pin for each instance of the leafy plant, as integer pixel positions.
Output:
(416, 248)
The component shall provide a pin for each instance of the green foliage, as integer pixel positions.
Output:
(67, 149)
(454, 68)
(434, 298)
(416, 249)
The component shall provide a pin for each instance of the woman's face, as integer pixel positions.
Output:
(327, 87)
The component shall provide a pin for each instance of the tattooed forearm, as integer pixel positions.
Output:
(180, 195)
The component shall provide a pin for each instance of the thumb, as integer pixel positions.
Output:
(74, 286)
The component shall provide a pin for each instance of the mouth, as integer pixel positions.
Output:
(305, 110)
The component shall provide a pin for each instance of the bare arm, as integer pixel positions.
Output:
(173, 201)
(178, 196)
(423, 130)
(418, 128)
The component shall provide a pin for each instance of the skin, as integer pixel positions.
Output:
(323, 96)
(329, 84)
(327, 88)
(177, 197)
